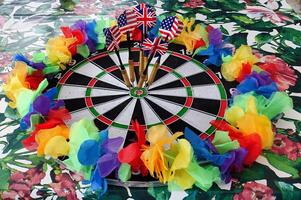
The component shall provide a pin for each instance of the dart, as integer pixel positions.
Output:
(127, 22)
(146, 19)
(154, 72)
(156, 48)
(113, 36)
(170, 28)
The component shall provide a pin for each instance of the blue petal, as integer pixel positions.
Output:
(98, 183)
(88, 152)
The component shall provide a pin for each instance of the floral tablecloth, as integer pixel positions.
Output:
(267, 25)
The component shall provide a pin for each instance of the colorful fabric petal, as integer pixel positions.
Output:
(85, 157)
(57, 146)
(79, 132)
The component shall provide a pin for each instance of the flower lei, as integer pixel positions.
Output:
(239, 139)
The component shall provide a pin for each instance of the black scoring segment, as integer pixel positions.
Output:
(101, 84)
(75, 104)
(100, 125)
(200, 79)
(114, 112)
(174, 61)
(78, 79)
(138, 113)
(207, 105)
(104, 62)
(160, 111)
(172, 99)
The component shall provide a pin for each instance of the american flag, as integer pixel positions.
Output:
(127, 21)
(156, 46)
(146, 17)
(113, 37)
(170, 28)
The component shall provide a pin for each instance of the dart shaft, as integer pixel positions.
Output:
(123, 71)
(141, 64)
(126, 78)
(131, 62)
(141, 80)
(154, 72)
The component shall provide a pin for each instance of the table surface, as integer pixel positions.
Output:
(271, 27)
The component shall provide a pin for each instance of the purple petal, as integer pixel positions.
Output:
(113, 145)
(107, 163)
(42, 104)
(80, 24)
(215, 37)
(90, 45)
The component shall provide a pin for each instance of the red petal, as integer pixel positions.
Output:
(199, 44)
(79, 36)
(252, 142)
(66, 31)
(246, 70)
(61, 114)
(139, 130)
(35, 79)
(129, 154)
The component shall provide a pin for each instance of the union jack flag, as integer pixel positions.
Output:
(127, 21)
(170, 28)
(113, 37)
(146, 17)
(157, 46)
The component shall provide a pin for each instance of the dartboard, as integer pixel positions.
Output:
(185, 93)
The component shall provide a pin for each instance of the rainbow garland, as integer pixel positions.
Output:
(239, 139)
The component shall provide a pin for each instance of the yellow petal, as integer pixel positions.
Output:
(57, 146)
(233, 114)
(260, 124)
(44, 135)
(157, 133)
(184, 180)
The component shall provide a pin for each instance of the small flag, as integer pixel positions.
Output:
(170, 28)
(146, 17)
(113, 37)
(156, 46)
(127, 21)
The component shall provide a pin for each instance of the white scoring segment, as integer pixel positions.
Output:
(88, 69)
(206, 92)
(92, 70)
(125, 115)
(150, 116)
(98, 92)
(169, 106)
(105, 107)
(197, 119)
(189, 69)
(108, 78)
(178, 92)
(164, 80)
(72, 92)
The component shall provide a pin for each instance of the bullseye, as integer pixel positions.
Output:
(138, 92)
